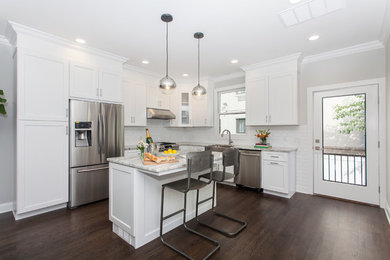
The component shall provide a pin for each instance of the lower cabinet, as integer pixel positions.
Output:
(278, 173)
(42, 165)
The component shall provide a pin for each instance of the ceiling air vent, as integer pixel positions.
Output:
(309, 10)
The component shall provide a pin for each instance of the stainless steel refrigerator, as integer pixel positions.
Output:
(96, 133)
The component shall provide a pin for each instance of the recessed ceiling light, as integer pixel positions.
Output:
(79, 40)
(295, 1)
(234, 61)
(185, 75)
(145, 62)
(314, 37)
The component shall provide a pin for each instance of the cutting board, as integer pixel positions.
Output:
(149, 162)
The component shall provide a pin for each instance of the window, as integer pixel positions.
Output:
(231, 111)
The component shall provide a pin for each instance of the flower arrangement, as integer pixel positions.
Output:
(141, 146)
(263, 134)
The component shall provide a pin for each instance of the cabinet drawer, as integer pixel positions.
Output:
(275, 156)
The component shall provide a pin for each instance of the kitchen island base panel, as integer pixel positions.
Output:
(134, 205)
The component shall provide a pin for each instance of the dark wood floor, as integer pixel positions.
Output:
(304, 227)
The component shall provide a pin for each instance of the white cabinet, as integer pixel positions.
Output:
(110, 86)
(272, 92)
(42, 165)
(257, 101)
(192, 111)
(155, 98)
(42, 86)
(84, 81)
(278, 173)
(93, 83)
(134, 100)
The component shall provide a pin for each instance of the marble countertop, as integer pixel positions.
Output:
(158, 169)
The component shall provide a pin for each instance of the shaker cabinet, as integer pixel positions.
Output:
(42, 88)
(278, 173)
(134, 100)
(155, 98)
(42, 163)
(272, 93)
(93, 83)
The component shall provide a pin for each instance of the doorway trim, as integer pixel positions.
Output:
(380, 82)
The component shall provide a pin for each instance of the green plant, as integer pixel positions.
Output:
(352, 115)
(2, 102)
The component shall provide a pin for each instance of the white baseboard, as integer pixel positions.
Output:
(387, 211)
(37, 212)
(6, 207)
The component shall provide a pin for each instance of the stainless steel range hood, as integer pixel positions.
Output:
(154, 113)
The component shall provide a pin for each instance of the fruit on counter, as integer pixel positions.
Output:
(165, 152)
(174, 151)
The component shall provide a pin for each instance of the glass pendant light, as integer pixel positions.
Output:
(167, 84)
(198, 90)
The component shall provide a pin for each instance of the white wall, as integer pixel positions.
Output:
(7, 127)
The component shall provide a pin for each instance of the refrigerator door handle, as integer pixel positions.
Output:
(104, 136)
(99, 136)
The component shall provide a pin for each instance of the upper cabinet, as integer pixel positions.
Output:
(272, 92)
(134, 97)
(91, 82)
(192, 111)
(155, 98)
(42, 86)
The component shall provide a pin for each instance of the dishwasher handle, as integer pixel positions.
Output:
(250, 154)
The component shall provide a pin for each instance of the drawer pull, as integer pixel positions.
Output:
(274, 156)
(92, 170)
(274, 163)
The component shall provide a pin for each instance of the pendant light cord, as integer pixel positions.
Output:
(198, 61)
(167, 51)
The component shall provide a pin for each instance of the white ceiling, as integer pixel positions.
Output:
(248, 30)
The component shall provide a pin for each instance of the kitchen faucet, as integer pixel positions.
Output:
(230, 136)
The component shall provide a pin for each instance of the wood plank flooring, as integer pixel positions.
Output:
(304, 227)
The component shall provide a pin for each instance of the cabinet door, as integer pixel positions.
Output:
(175, 108)
(42, 87)
(185, 109)
(199, 110)
(140, 104)
(163, 100)
(42, 165)
(275, 176)
(257, 101)
(282, 95)
(152, 96)
(84, 80)
(129, 98)
(110, 86)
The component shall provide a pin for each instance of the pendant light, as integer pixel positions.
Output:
(198, 90)
(167, 84)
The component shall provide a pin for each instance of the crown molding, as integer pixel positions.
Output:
(22, 29)
(368, 46)
(140, 70)
(292, 57)
(228, 76)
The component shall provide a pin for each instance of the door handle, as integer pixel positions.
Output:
(99, 135)
(91, 170)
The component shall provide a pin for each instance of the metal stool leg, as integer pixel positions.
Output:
(162, 218)
(229, 234)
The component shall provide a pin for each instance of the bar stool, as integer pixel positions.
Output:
(230, 158)
(196, 162)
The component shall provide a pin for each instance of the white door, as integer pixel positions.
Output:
(110, 86)
(257, 101)
(42, 87)
(42, 165)
(346, 144)
(282, 99)
(84, 81)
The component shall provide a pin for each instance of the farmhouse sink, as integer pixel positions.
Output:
(218, 147)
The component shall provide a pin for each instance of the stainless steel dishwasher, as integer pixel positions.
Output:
(250, 169)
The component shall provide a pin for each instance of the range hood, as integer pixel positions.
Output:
(154, 113)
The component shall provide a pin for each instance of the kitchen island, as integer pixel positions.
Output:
(135, 198)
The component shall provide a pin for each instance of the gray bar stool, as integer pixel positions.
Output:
(230, 158)
(196, 162)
